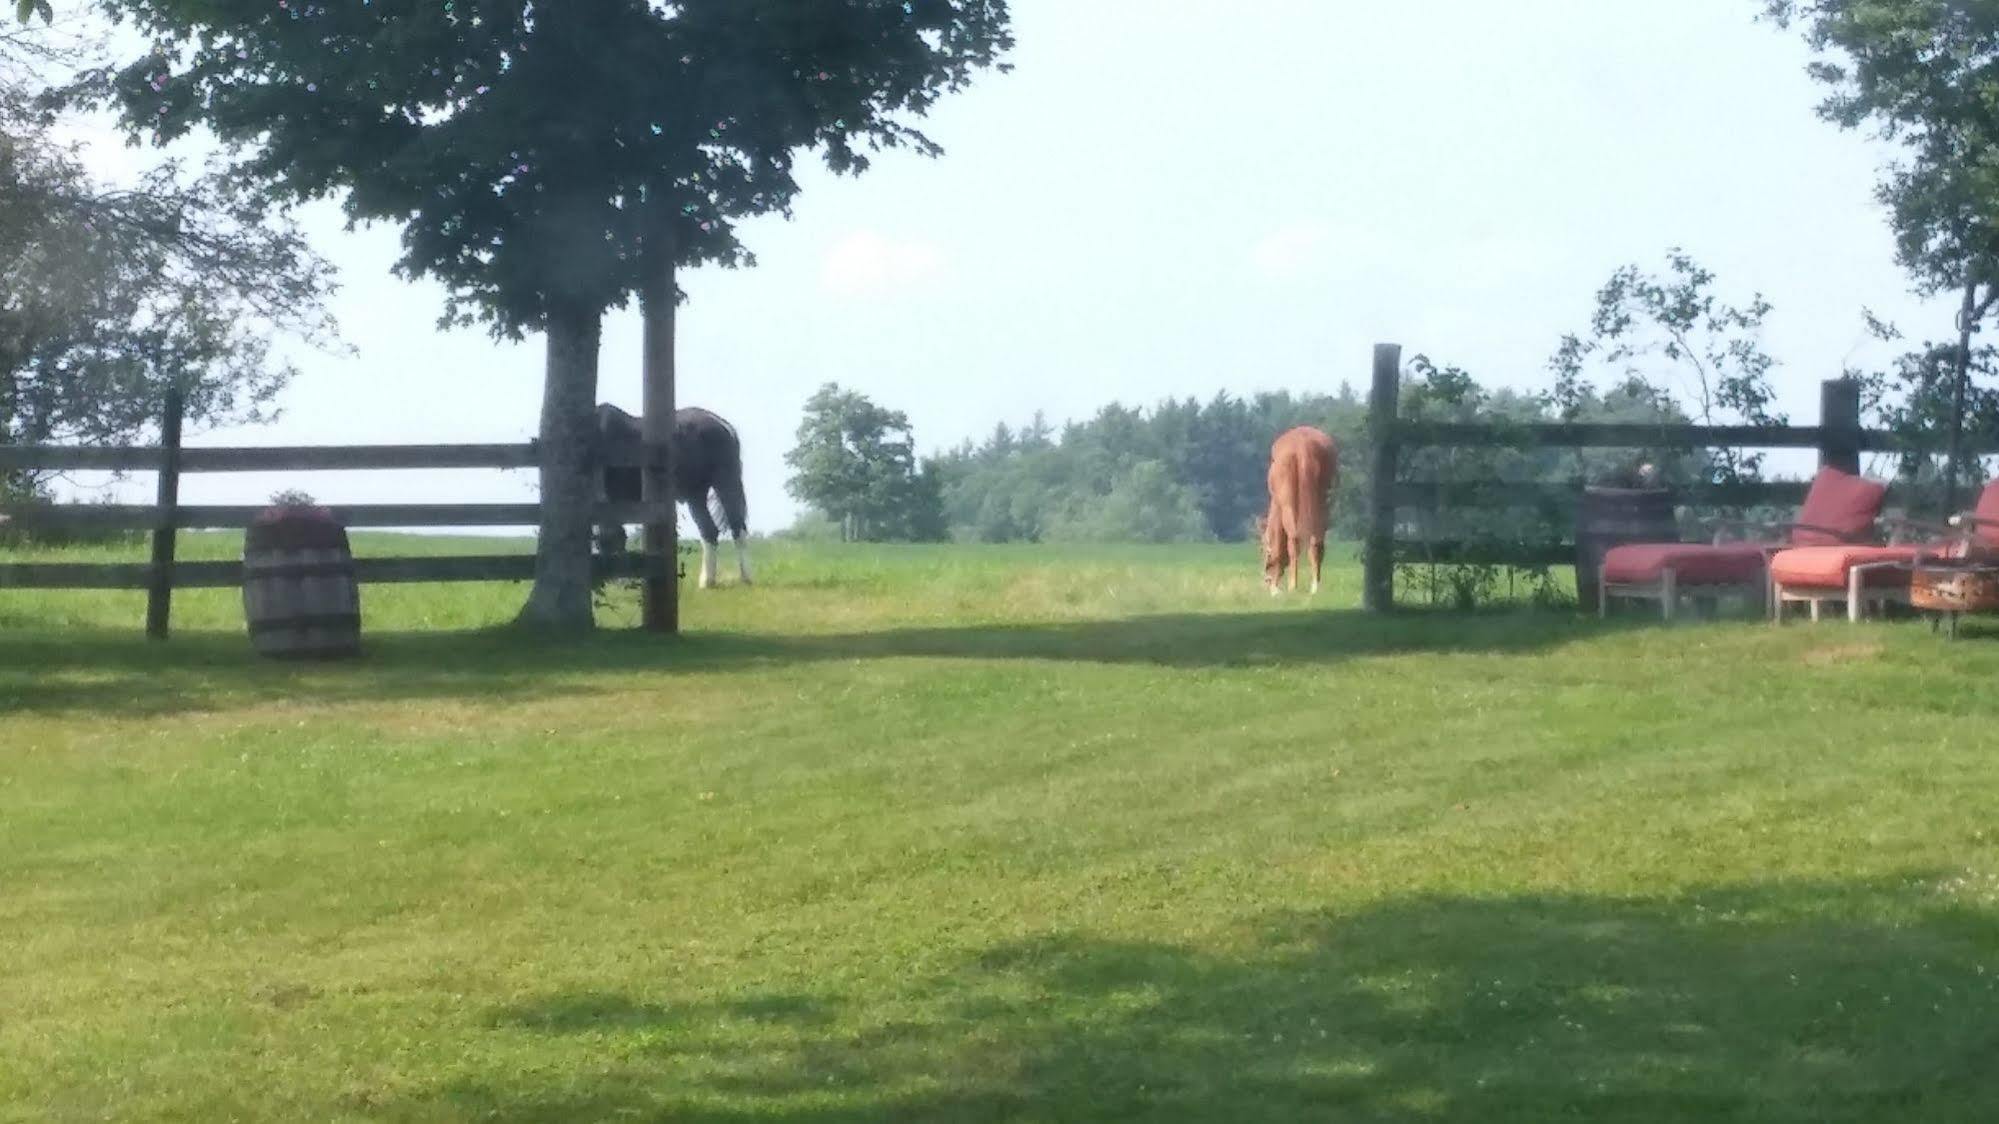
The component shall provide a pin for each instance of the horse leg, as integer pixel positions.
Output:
(611, 538)
(619, 486)
(1318, 560)
(735, 510)
(1298, 554)
(710, 535)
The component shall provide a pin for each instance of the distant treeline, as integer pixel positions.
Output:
(1185, 470)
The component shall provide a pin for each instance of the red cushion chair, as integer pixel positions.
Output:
(1862, 575)
(1840, 508)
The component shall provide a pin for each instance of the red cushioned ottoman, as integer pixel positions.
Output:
(1691, 563)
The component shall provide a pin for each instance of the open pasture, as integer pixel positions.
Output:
(964, 833)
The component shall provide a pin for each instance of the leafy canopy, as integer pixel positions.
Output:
(109, 296)
(1925, 73)
(547, 157)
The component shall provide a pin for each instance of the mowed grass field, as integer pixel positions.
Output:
(959, 833)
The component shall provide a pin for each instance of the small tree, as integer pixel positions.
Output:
(856, 462)
(1651, 330)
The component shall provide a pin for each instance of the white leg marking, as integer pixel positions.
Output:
(707, 564)
(1315, 586)
(743, 559)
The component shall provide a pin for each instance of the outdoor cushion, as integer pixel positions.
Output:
(1692, 563)
(1838, 501)
(1827, 567)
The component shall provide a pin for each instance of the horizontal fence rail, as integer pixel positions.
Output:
(1590, 435)
(1489, 495)
(1452, 552)
(226, 575)
(198, 517)
(302, 458)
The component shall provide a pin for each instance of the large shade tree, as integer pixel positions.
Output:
(549, 161)
(1925, 75)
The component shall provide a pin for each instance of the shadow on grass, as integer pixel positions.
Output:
(594, 1013)
(117, 673)
(1766, 1003)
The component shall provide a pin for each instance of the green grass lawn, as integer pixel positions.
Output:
(995, 834)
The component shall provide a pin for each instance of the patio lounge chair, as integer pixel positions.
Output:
(1876, 575)
(1840, 509)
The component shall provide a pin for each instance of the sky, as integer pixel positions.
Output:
(1168, 198)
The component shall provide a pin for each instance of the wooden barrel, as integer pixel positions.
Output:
(300, 596)
(1607, 517)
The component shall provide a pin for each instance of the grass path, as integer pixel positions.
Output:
(995, 834)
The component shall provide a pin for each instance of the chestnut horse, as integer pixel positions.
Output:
(1304, 470)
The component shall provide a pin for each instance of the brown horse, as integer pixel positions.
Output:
(1304, 470)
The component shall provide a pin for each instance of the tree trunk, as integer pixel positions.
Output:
(1966, 320)
(561, 598)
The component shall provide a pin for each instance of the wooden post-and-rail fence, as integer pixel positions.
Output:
(1839, 440)
(167, 515)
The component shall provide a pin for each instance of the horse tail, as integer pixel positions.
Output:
(726, 501)
(1316, 473)
(1332, 482)
(1304, 496)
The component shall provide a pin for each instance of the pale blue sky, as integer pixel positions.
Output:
(1166, 200)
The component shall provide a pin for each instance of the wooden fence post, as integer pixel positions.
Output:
(1839, 424)
(660, 603)
(1378, 552)
(160, 595)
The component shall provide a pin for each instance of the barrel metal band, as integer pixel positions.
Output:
(299, 570)
(305, 621)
